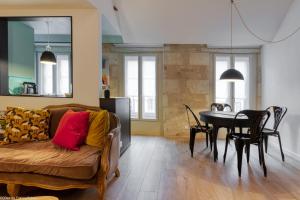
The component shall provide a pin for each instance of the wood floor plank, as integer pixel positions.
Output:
(156, 168)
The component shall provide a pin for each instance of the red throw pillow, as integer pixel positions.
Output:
(72, 130)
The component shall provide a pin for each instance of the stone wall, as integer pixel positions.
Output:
(115, 61)
(187, 76)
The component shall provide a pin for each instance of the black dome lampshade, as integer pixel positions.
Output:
(232, 75)
(48, 57)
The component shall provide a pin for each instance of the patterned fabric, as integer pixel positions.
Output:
(26, 125)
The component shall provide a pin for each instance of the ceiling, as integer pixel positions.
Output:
(109, 21)
(177, 21)
(198, 21)
(57, 25)
(45, 4)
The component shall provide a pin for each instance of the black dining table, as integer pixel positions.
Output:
(220, 119)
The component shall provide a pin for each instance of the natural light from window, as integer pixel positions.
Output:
(140, 86)
(222, 88)
(236, 94)
(149, 87)
(132, 83)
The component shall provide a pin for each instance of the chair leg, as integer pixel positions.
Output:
(211, 141)
(259, 155)
(228, 131)
(207, 140)
(282, 155)
(248, 152)
(239, 145)
(266, 138)
(226, 146)
(263, 158)
(192, 140)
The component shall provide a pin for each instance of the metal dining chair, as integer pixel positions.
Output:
(278, 113)
(220, 107)
(197, 128)
(256, 120)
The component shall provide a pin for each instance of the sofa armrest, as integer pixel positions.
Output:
(111, 153)
(114, 153)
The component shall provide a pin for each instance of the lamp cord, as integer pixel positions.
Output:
(231, 26)
(48, 46)
(254, 34)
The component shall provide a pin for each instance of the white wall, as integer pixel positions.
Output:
(281, 79)
(86, 57)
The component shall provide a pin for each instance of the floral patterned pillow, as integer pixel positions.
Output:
(26, 125)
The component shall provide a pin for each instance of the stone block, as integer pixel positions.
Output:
(172, 86)
(199, 58)
(173, 59)
(197, 86)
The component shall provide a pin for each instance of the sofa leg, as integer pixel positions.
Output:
(117, 173)
(101, 190)
(13, 189)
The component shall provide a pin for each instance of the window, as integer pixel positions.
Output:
(55, 79)
(132, 83)
(63, 75)
(140, 86)
(238, 93)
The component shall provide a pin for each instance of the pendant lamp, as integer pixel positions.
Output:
(231, 75)
(48, 56)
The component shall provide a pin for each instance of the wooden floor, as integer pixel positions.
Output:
(156, 168)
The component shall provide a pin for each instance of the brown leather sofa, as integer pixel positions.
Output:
(41, 164)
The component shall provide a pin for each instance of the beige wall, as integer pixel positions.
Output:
(86, 56)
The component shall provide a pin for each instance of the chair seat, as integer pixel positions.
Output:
(268, 131)
(202, 128)
(242, 136)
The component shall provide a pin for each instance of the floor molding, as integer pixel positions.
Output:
(291, 155)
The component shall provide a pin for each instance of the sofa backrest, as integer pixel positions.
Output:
(57, 111)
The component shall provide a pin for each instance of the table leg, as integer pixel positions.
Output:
(215, 137)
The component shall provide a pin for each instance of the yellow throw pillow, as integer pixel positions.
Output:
(98, 129)
(24, 125)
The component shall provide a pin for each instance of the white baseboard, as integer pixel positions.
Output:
(292, 155)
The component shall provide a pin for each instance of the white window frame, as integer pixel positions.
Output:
(55, 73)
(252, 83)
(140, 86)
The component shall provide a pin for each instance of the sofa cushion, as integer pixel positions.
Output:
(72, 130)
(26, 125)
(98, 129)
(56, 115)
(44, 158)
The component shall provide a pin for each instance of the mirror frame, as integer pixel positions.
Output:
(38, 18)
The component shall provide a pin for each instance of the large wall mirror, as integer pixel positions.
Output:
(36, 56)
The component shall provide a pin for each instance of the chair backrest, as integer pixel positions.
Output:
(189, 110)
(278, 113)
(220, 107)
(256, 119)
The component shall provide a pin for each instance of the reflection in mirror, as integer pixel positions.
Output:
(36, 56)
